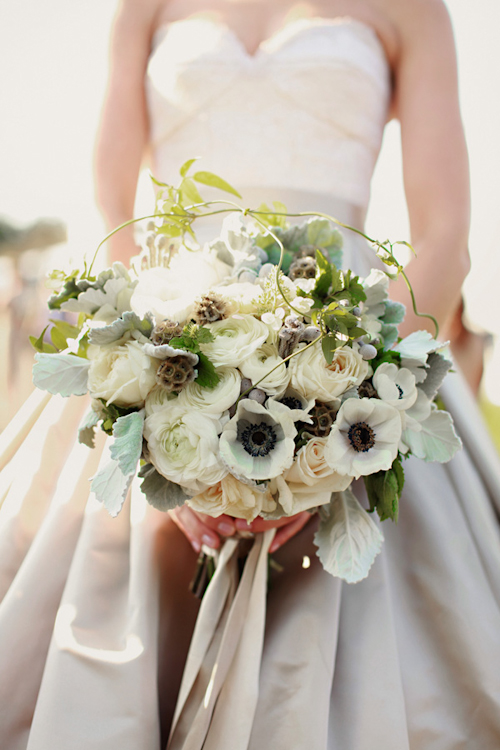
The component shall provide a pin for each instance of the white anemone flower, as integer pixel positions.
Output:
(258, 442)
(298, 405)
(395, 385)
(364, 438)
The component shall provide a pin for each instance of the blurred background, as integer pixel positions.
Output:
(53, 63)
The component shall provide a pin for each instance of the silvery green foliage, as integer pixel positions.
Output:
(63, 374)
(86, 431)
(436, 441)
(164, 351)
(110, 485)
(417, 346)
(437, 368)
(129, 321)
(160, 492)
(107, 297)
(394, 312)
(127, 445)
(348, 538)
(316, 232)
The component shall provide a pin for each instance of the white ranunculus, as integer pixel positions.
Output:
(258, 442)
(312, 376)
(184, 446)
(171, 292)
(234, 498)
(157, 398)
(213, 400)
(395, 385)
(236, 339)
(259, 364)
(364, 437)
(121, 374)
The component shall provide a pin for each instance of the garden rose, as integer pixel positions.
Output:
(234, 498)
(312, 376)
(121, 374)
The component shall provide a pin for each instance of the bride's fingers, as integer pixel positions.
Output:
(196, 531)
(261, 525)
(223, 525)
(286, 532)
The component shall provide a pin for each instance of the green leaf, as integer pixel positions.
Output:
(329, 344)
(160, 492)
(325, 275)
(208, 178)
(40, 345)
(204, 335)
(190, 191)
(417, 346)
(348, 540)
(110, 486)
(127, 446)
(58, 339)
(207, 375)
(86, 431)
(63, 374)
(384, 490)
(187, 165)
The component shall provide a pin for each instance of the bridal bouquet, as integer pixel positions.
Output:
(251, 375)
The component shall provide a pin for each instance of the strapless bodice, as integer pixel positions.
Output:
(306, 112)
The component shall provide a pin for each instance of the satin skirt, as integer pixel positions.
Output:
(102, 647)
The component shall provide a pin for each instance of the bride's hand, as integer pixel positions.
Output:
(202, 529)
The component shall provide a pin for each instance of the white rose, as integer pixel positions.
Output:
(171, 292)
(259, 364)
(213, 400)
(236, 338)
(184, 446)
(312, 376)
(234, 498)
(121, 374)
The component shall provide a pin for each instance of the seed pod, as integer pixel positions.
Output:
(175, 373)
(164, 332)
(209, 309)
(302, 268)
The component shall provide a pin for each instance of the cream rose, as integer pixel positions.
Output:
(312, 376)
(121, 374)
(184, 446)
(236, 339)
(234, 498)
(310, 469)
(259, 364)
(213, 400)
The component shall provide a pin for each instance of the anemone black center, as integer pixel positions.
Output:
(291, 402)
(258, 439)
(361, 437)
(400, 390)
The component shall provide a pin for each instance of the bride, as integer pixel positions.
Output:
(287, 102)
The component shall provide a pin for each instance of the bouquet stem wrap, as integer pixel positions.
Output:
(215, 708)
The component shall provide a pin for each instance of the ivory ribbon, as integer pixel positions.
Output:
(219, 689)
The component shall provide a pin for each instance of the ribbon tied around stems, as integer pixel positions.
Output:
(219, 689)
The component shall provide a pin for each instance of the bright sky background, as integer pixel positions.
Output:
(53, 58)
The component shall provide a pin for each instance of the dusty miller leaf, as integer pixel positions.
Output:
(129, 321)
(110, 487)
(436, 440)
(417, 345)
(438, 366)
(62, 374)
(127, 446)
(86, 431)
(394, 312)
(348, 539)
(161, 493)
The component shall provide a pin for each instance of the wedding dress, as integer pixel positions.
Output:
(95, 618)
